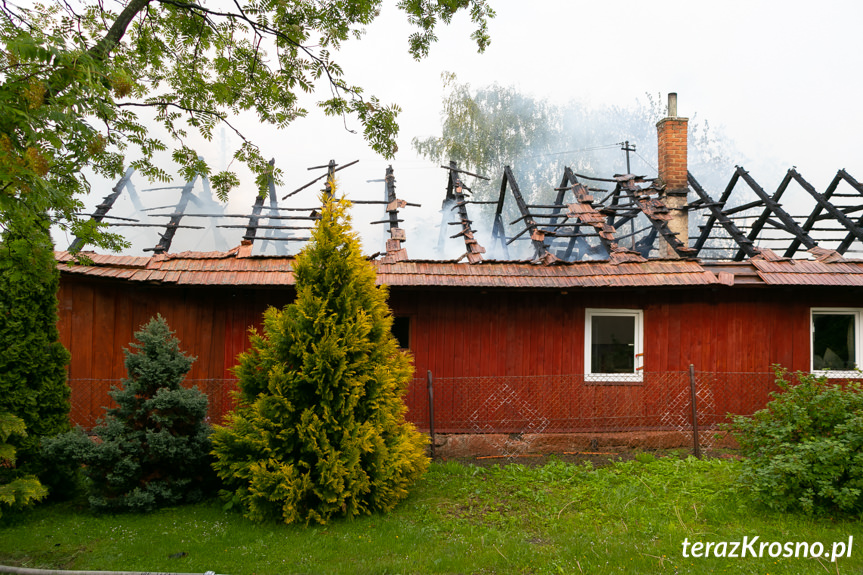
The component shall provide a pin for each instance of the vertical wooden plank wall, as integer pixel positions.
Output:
(97, 320)
(457, 333)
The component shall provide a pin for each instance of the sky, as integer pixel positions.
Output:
(780, 80)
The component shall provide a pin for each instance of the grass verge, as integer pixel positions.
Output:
(630, 517)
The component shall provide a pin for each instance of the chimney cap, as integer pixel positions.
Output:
(672, 104)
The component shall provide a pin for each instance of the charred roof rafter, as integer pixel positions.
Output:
(395, 251)
(843, 175)
(576, 238)
(583, 211)
(537, 236)
(456, 200)
(774, 216)
(772, 206)
(106, 205)
(171, 227)
(257, 208)
(498, 230)
(273, 225)
(823, 203)
(717, 215)
(658, 214)
(270, 234)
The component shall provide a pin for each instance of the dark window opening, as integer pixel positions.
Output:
(612, 342)
(402, 331)
(833, 342)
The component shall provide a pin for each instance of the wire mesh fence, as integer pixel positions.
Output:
(513, 415)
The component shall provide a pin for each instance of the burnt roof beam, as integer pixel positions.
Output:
(273, 212)
(446, 207)
(558, 202)
(582, 196)
(743, 207)
(823, 204)
(391, 198)
(716, 213)
(539, 247)
(498, 230)
(474, 250)
(171, 227)
(567, 182)
(103, 208)
(660, 224)
(331, 170)
(257, 208)
(846, 243)
(394, 250)
(772, 206)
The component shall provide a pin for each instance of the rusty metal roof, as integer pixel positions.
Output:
(189, 268)
(560, 275)
(237, 268)
(806, 272)
(734, 273)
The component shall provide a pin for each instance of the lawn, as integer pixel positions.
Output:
(629, 517)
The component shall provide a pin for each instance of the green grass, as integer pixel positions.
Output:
(558, 518)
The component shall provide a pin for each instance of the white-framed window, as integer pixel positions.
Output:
(613, 345)
(836, 337)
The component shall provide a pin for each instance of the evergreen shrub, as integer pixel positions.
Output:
(153, 448)
(319, 430)
(805, 449)
(20, 491)
(33, 362)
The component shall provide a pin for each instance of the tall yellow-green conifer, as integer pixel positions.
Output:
(319, 430)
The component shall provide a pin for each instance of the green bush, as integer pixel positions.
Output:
(32, 360)
(320, 430)
(805, 449)
(153, 448)
(22, 490)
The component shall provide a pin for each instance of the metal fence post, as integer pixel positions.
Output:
(696, 444)
(431, 411)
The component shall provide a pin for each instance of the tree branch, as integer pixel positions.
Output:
(257, 28)
(160, 104)
(104, 46)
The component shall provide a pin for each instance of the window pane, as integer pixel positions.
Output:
(612, 342)
(833, 342)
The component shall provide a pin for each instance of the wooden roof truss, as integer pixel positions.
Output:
(621, 226)
(187, 196)
(108, 202)
(588, 227)
(830, 223)
(264, 223)
(395, 251)
(649, 200)
(456, 199)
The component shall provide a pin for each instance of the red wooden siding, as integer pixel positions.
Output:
(469, 334)
(457, 333)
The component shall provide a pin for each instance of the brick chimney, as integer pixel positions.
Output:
(671, 135)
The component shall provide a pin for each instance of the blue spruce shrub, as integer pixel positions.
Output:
(153, 448)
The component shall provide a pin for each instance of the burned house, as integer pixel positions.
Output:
(637, 299)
